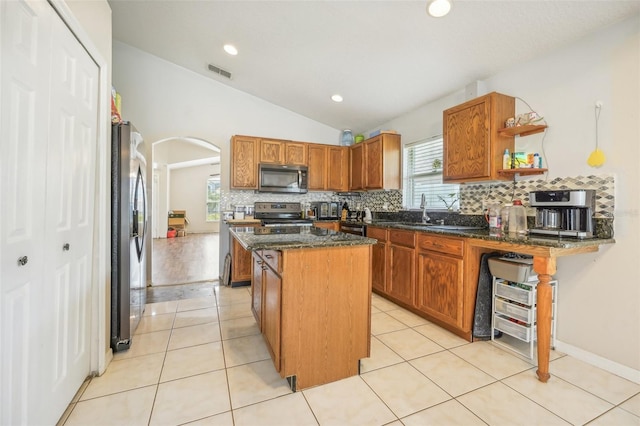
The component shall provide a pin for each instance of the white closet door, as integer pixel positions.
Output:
(70, 188)
(47, 140)
(24, 108)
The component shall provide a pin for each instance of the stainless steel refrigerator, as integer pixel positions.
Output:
(128, 233)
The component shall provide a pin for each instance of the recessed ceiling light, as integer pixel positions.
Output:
(336, 98)
(438, 8)
(230, 49)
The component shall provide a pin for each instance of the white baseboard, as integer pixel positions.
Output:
(598, 361)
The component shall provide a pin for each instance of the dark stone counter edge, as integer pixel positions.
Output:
(483, 234)
(252, 242)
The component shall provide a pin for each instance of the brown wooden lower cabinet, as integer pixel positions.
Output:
(315, 309)
(378, 258)
(401, 268)
(425, 273)
(440, 287)
(334, 225)
(240, 263)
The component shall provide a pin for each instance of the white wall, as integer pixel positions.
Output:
(188, 191)
(599, 294)
(165, 100)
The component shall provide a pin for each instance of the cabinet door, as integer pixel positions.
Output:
(373, 160)
(241, 262)
(244, 162)
(357, 167)
(467, 138)
(271, 151)
(256, 289)
(317, 177)
(295, 153)
(271, 314)
(338, 168)
(401, 274)
(473, 148)
(440, 287)
(378, 258)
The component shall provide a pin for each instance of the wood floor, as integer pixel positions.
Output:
(184, 268)
(185, 260)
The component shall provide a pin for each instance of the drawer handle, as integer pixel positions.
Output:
(268, 256)
(22, 260)
(66, 247)
(438, 245)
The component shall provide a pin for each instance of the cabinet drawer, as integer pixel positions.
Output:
(273, 258)
(512, 310)
(441, 244)
(403, 238)
(379, 234)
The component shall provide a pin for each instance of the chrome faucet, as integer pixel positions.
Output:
(423, 206)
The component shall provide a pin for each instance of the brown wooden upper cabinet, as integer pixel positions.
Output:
(275, 151)
(473, 148)
(328, 167)
(376, 163)
(244, 162)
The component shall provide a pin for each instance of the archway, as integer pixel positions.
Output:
(180, 171)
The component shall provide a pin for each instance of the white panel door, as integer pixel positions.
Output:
(24, 108)
(48, 135)
(70, 188)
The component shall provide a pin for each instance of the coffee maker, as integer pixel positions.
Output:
(564, 213)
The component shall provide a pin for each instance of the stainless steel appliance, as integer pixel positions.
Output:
(282, 178)
(566, 213)
(280, 214)
(326, 210)
(128, 234)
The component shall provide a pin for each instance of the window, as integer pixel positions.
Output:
(423, 175)
(213, 198)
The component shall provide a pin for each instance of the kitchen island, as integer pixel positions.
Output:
(311, 297)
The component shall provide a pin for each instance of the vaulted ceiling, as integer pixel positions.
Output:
(384, 57)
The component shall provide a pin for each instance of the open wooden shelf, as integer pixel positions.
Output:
(521, 172)
(527, 129)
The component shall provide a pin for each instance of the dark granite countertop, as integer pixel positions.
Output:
(483, 234)
(308, 237)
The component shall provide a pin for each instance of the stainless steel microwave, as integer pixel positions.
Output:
(290, 179)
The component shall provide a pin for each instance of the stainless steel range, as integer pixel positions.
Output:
(280, 214)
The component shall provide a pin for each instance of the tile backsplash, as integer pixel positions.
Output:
(471, 195)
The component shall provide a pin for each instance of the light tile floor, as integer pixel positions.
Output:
(203, 362)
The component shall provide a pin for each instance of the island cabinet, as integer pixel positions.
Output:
(440, 278)
(378, 258)
(473, 147)
(376, 163)
(400, 283)
(315, 306)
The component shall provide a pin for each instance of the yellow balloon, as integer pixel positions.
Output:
(596, 159)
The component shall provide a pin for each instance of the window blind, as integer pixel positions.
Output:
(423, 175)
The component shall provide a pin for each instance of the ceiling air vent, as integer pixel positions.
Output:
(220, 71)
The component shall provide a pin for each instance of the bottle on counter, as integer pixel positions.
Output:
(494, 220)
(345, 211)
(504, 216)
(517, 219)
